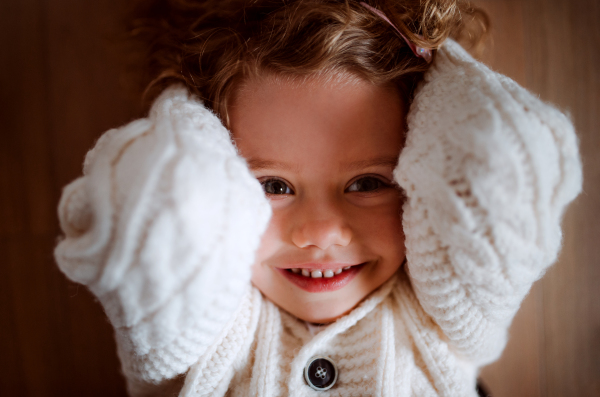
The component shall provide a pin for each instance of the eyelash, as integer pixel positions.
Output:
(264, 185)
(382, 184)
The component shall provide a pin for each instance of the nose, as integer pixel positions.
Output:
(321, 229)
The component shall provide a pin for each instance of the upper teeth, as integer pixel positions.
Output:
(319, 273)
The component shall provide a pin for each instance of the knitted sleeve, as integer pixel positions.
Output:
(163, 228)
(488, 170)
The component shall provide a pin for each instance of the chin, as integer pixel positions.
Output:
(320, 315)
(319, 319)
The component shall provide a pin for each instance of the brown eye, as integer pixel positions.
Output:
(276, 186)
(367, 184)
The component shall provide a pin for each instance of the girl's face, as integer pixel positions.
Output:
(324, 151)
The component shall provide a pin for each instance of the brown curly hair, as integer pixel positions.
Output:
(212, 45)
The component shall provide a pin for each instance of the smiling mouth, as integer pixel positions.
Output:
(320, 273)
(321, 280)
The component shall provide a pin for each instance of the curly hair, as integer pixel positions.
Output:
(213, 45)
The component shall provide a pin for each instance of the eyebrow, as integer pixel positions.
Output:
(387, 161)
(261, 164)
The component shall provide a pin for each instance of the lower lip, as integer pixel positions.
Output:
(322, 284)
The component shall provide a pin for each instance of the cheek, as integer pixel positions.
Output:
(271, 239)
(380, 229)
(389, 239)
(386, 241)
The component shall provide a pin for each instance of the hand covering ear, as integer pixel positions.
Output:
(163, 227)
(488, 170)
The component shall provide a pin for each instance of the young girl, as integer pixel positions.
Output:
(335, 199)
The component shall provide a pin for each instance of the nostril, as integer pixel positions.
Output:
(322, 234)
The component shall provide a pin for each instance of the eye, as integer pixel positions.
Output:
(367, 184)
(276, 187)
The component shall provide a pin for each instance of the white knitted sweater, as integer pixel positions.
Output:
(164, 224)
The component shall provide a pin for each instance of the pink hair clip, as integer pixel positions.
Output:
(420, 52)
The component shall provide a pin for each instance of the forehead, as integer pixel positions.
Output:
(325, 120)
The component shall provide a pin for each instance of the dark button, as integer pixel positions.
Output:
(320, 373)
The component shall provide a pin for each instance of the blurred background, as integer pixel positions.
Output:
(65, 79)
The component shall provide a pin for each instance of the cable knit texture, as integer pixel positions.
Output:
(165, 221)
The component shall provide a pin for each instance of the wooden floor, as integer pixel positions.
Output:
(62, 83)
